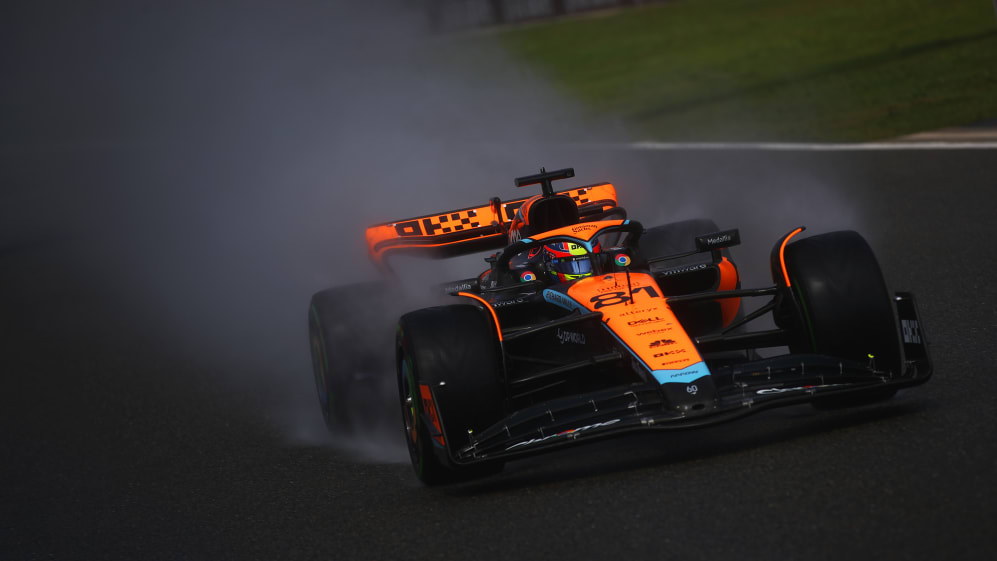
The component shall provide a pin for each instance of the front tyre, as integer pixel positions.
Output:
(845, 308)
(450, 387)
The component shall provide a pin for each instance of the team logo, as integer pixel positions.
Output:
(570, 337)
(644, 321)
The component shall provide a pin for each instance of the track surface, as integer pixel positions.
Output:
(119, 444)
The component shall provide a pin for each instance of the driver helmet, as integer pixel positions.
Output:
(567, 261)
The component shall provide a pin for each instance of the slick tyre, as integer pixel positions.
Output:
(450, 387)
(845, 308)
(350, 330)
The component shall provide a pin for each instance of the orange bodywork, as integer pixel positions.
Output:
(728, 281)
(429, 407)
(584, 231)
(782, 254)
(484, 225)
(638, 315)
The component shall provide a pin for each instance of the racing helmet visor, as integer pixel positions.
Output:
(574, 265)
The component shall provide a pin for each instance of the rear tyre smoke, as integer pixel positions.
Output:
(350, 332)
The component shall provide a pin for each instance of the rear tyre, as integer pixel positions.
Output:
(845, 308)
(449, 384)
(350, 333)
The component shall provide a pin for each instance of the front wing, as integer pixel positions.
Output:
(731, 392)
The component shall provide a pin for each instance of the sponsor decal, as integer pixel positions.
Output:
(527, 276)
(584, 228)
(459, 287)
(560, 299)
(623, 260)
(635, 312)
(666, 353)
(654, 331)
(718, 240)
(768, 391)
(667, 362)
(563, 433)
(681, 270)
(661, 343)
(570, 337)
(687, 375)
(635, 283)
(513, 302)
(645, 321)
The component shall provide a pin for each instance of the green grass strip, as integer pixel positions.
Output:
(807, 70)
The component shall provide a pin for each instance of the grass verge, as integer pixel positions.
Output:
(824, 70)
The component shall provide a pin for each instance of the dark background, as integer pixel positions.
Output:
(177, 179)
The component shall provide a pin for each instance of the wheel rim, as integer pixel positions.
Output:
(410, 410)
(409, 404)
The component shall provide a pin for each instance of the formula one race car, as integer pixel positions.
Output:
(586, 325)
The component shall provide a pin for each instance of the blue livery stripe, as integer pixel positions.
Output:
(686, 375)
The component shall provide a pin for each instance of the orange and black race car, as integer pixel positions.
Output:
(587, 324)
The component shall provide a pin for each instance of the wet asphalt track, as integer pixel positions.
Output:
(119, 442)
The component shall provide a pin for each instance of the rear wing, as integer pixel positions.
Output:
(471, 230)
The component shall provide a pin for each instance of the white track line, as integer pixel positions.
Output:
(811, 147)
